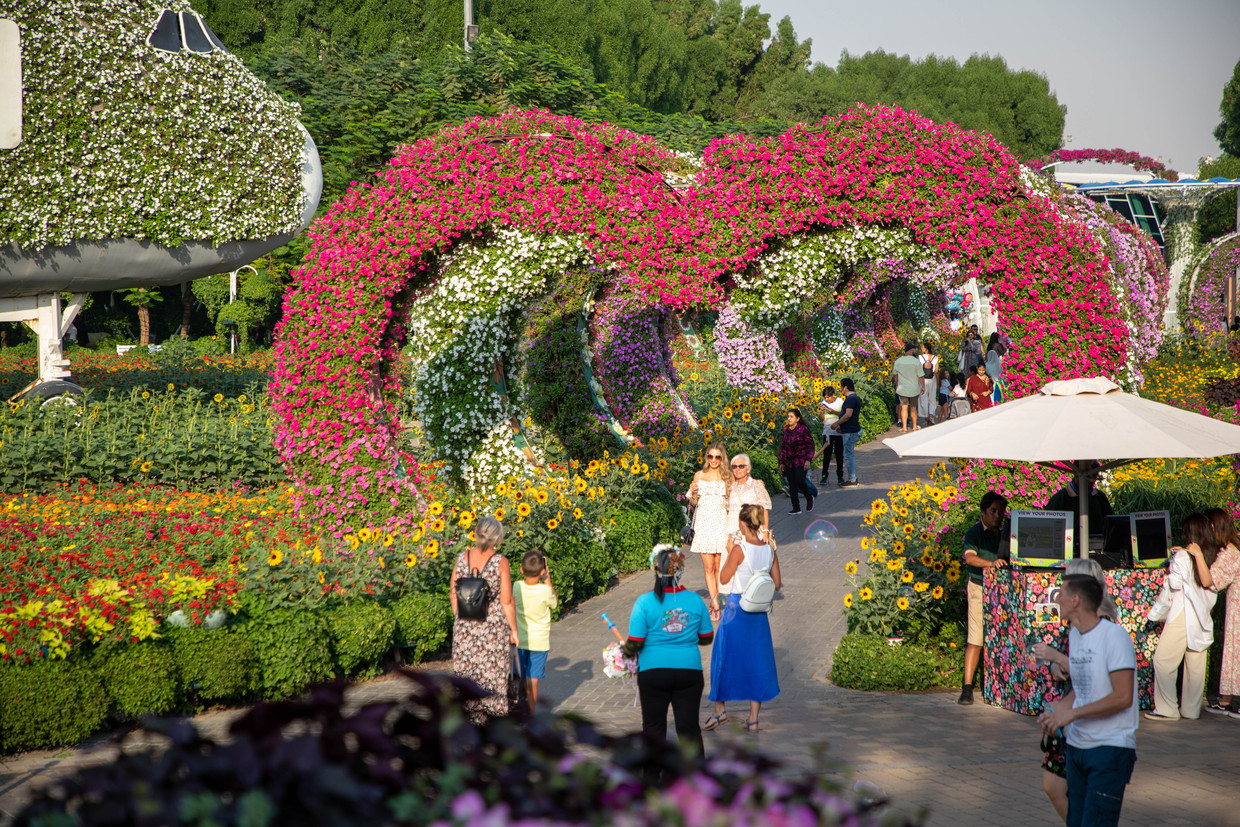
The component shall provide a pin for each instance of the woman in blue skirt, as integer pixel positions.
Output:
(742, 659)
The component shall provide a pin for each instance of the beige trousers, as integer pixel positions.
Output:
(1173, 648)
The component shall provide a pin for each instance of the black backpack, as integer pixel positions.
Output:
(473, 596)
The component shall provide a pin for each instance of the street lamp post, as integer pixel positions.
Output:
(471, 31)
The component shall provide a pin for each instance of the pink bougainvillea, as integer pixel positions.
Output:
(956, 192)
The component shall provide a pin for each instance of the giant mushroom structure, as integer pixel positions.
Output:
(135, 151)
(464, 229)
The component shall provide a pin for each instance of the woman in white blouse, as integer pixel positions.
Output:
(1189, 629)
(747, 490)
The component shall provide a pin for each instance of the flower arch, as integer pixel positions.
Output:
(778, 224)
(1107, 156)
(1203, 294)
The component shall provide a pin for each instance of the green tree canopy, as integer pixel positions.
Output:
(1228, 131)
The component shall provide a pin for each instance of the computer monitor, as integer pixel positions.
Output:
(1116, 552)
(1041, 538)
(1151, 538)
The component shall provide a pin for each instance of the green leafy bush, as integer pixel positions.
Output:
(580, 566)
(361, 633)
(637, 529)
(48, 703)
(292, 649)
(423, 622)
(215, 665)
(870, 662)
(141, 678)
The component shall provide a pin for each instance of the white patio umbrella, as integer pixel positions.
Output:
(1070, 425)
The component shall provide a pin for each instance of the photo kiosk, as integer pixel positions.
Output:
(1041, 539)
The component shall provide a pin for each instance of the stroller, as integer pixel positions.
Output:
(957, 407)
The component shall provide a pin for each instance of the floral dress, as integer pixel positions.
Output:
(710, 521)
(1226, 575)
(480, 647)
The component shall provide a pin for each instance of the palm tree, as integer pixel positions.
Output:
(142, 298)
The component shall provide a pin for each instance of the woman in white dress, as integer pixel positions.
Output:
(927, 401)
(708, 494)
(747, 490)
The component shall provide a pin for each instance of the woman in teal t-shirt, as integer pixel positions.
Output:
(667, 626)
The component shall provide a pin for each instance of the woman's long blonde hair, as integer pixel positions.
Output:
(725, 470)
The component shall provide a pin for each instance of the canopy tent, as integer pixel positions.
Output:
(1070, 426)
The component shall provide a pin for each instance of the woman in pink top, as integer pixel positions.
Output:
(1225, 574)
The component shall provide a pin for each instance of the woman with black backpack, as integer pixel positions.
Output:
(742, 659)
(485, 624)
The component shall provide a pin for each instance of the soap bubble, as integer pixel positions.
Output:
(908, 592)
(822, 536)
(728, 614)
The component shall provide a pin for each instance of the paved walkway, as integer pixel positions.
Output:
(969, 765)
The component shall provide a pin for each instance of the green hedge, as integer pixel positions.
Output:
(215, 665)
(141, 678)
(50, 703)
(633, 532)
(870, 662)
(293, 651)
(423, 623)
(362, 633)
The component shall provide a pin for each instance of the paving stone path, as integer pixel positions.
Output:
(975, 765)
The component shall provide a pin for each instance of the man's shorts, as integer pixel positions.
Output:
(908, 400)
(975, 614)
(533, 664)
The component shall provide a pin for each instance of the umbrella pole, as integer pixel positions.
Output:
(1084, 491)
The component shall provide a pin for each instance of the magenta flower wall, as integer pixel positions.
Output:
(1203, 294)
(956, 192)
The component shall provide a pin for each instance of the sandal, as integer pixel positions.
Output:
(750, 726)
(714, 721)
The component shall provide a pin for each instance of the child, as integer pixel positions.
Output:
(945, 390)
(534, 598)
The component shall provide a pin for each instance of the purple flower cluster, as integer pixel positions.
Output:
(1203, 294)
(751, 360)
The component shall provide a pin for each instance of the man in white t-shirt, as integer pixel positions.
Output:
(1100, 715)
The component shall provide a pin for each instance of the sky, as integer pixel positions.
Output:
(1141, 75)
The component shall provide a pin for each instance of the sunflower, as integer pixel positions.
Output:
(937, 565)
(577, 513)
(517, 495)
(893, 564)
(902, 603)
(388, 540)
(499, 514)
(727, 413)
(541, 496)
(898, 547)
(466, 519)
(952, 575)
(865, 543)
(876, 555)
(865, 594)
(431, 550)
(553, 524)
(411, 559)
(502, 490)
(523, 509)
(908, 528)
(878, 507)
(745, 418)
(436, 508)
(848, 601)
(937, 593)
(920, 587)
(146, 395)
(365, 535)
(907, 577)
(926, 559)
(276, 557)
(219, 397)
(171, 386)
(437, 526)
(147, 466)
(352, 541)
(851, 566)
(581, 485)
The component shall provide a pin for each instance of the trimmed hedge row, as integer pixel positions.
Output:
(870, 662)
(275, 656)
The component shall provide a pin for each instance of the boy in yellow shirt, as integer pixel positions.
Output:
(534, 598)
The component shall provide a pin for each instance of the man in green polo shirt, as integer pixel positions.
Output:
(981, 551)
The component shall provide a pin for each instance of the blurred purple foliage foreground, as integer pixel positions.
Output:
(421, 762)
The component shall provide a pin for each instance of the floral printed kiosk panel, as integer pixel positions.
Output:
(1016, 619)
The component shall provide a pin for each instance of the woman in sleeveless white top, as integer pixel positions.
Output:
(742, 659)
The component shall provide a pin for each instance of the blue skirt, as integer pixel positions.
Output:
(742, 659)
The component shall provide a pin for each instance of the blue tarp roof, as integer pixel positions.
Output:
(1161, 183)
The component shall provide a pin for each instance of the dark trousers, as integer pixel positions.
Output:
(797, 483)
(1096, 781)
(681, 689)
(835, 445)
